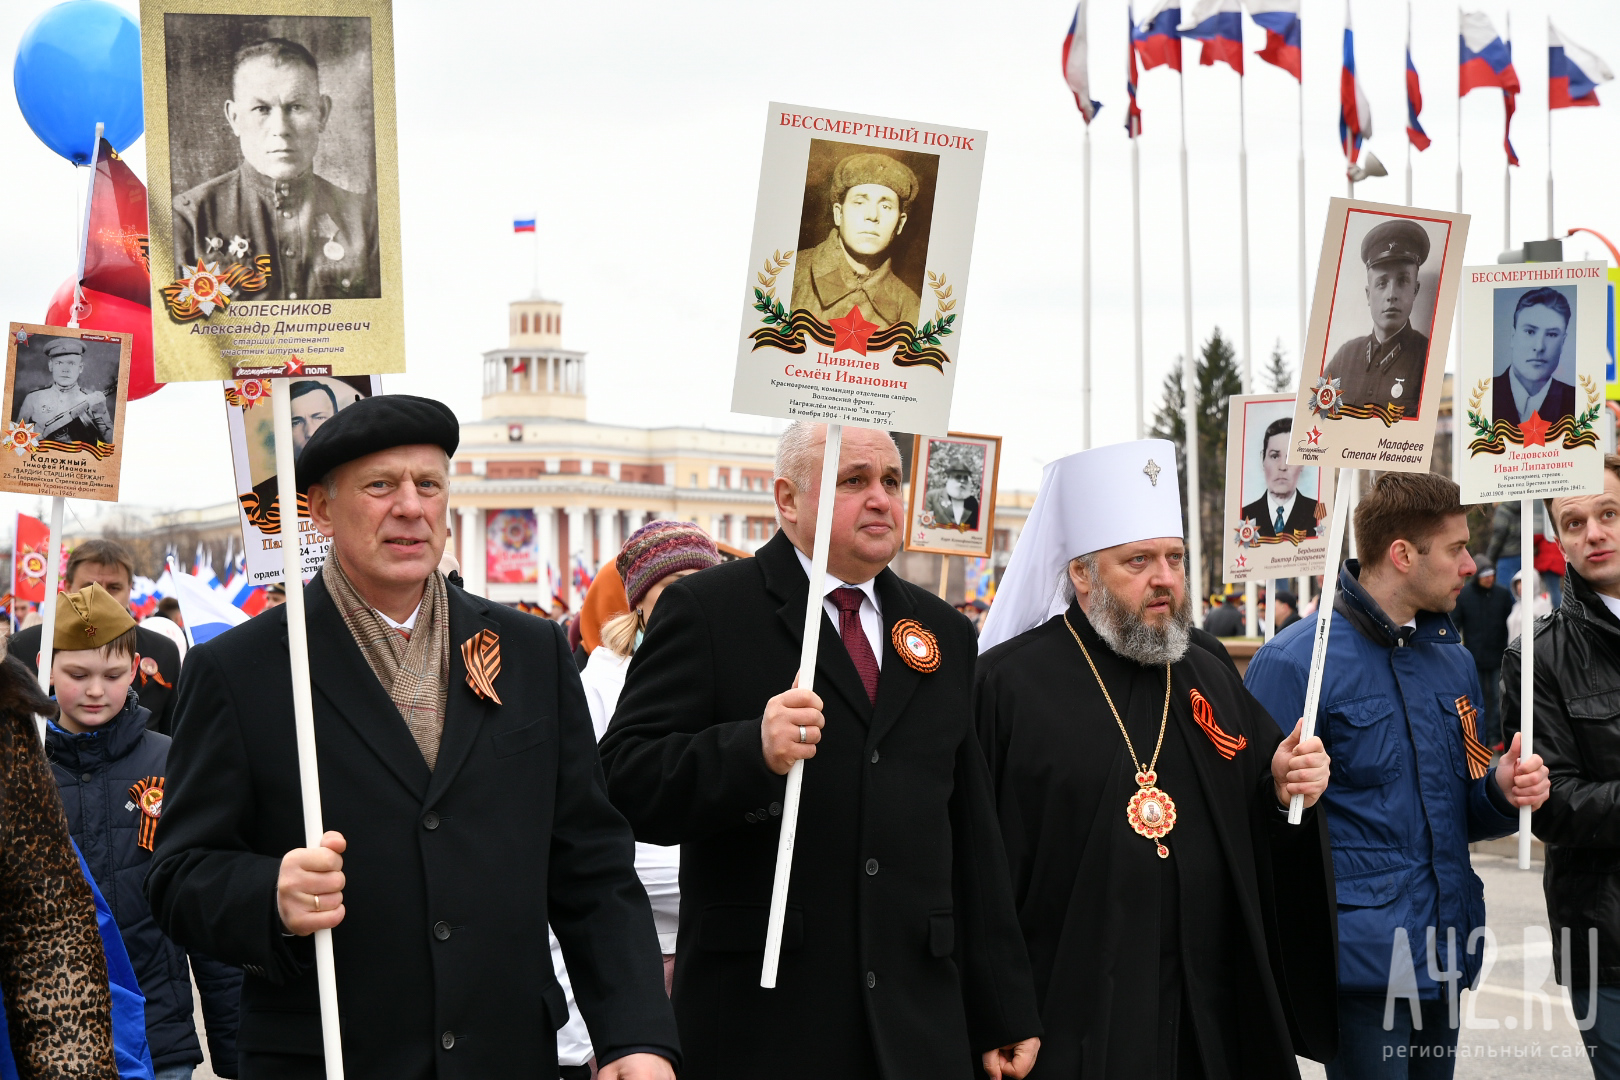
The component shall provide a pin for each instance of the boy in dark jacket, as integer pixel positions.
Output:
(110, 771)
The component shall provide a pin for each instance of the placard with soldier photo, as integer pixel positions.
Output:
(1375, 352)
(314, 401)
(857, 281)
(952, 508)
(1276, 510)
(1535, 346)
(273, 185)
(64, 410)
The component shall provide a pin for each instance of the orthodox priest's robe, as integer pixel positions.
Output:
(1217, 961)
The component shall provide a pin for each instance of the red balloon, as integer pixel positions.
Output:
(103, 311)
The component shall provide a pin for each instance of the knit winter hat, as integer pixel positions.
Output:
(659, 549)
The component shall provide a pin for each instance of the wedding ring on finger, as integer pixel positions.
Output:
(801, 733)
(317, 900)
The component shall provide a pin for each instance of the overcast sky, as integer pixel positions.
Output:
(633, 132)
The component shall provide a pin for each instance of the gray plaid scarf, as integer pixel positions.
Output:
(415, 670)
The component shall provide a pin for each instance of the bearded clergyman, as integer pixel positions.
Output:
(1178, 925)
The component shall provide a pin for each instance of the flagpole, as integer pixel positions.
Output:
(1136, 271)
(1305, 579)
(1507, 160)
(1409, 105)
(1456, 336)
(1189, 370)
(1085, 300)
(1250, 590)
(1550, 233)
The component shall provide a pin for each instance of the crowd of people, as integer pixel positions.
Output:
(1055, 845)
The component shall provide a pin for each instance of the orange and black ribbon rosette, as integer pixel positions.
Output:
(147, 795)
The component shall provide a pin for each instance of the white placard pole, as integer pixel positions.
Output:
(309, 776)
(1324, 617)
(810, 643)
(1529, 588)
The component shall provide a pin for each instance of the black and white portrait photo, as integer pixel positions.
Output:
(952, 507)
(955, 481)
(863, 236)
(272, 151)
(1534, 364)
(1278, 498)
(314, 402)
(67, 388)
(1383, 309)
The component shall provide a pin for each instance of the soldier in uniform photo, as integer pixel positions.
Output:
(313, 404)
(1540, 326)
(956, 504)
(871, 194)
(1386, 366)
(1281, 510)
(65, 411)
(321, 238)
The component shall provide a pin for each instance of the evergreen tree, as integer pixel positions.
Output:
(1218, 379)
(1279, 377)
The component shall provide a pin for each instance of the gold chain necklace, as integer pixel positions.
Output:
(1150, 812)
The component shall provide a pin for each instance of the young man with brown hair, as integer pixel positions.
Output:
(1577, 657)
(1412, 784)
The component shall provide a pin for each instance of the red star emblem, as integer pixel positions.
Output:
(1535, 430)
(852, 331)
(1242, 561)
(294, 365)
(1313, 437)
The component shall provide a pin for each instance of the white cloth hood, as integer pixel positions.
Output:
(1088, 501)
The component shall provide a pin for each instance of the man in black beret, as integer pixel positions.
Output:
(1386, 367)
(463, 798)
(871, 194)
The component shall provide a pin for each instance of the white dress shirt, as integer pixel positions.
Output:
(871, 614)
(1523, 400)
(1272, 506)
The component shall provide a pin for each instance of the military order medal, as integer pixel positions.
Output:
(916, 645)
(333, 250)
(1150, 812)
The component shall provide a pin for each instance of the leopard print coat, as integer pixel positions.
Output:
(52, 968)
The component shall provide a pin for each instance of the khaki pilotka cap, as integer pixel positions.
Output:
(89, 619)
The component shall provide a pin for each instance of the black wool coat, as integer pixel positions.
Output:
(443, 962)
(902, 956)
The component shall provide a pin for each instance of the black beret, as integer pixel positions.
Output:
(373, 424)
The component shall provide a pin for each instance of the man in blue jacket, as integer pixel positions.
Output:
(1412, 784)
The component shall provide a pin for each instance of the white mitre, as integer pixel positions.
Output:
(1088, 501)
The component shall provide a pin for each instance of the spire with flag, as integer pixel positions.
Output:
(1280, 20)
(1219, 25)
(1157, 40)
(1074, 64)
(1573, 73)
(1355, 115)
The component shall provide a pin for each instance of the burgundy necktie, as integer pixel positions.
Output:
(848, 603)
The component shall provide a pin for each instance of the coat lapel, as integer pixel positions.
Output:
(464, 711)
(340, 674)
(786, 580)
(899, 679)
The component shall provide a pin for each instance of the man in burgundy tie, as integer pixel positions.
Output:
(902, 956)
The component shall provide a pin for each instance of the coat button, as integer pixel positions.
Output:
(871, 981)
(430, 821)
(441, 930)
(447, 1040)
(750, 818)
(874, 757)
(776, 809)
(760, 814)
(871, 867)
(84, 778)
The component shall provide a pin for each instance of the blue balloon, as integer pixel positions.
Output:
(79, 64)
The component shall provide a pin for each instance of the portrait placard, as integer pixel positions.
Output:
(315, 400)
(1375, 352)
(64, 411)
(952, 509)
(856, 290)
(1276, 511)
(511, 547)
(1533, 358)
(273, 186)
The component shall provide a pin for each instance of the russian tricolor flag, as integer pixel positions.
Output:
(1414, 104)
(1133, 114)
(1573, 73)
(1355, 115)
(523, 225)
(1156, 40)
(1074, 64)
(1485, 59)
(1219, 25)
(1280, 20)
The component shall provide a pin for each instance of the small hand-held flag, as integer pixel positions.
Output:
(1074, 64)
(1355, 115)
(1280, 20)
(1219, 25)
(1157, 41)
(1573, 73)
(523, 225)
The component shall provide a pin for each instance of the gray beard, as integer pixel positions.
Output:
(1124, 631)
